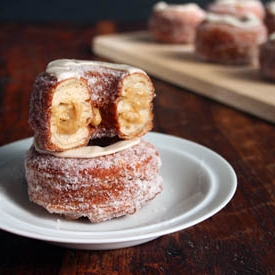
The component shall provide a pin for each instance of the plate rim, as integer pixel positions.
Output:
(151, 234)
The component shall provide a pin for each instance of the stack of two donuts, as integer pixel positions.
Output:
(89, 158)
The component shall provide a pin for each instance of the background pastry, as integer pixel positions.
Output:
(172, 23)
(226, 39)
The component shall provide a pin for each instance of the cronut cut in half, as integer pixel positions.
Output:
(67, 114)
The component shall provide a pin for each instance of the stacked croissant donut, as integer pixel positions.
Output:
(89, 158)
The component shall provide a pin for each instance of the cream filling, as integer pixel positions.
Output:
(69, 68)
(91, 151)
(249, 20)
(160, 6)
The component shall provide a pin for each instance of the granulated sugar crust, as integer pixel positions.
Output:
(99, 188)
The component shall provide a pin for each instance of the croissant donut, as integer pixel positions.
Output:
(172, 23)
(74, 101)
(226, 39)
(238, 8)
(99, 188)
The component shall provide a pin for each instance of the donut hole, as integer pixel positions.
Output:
(72, 113)
(134, 105)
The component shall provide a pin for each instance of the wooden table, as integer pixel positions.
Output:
(240, 239)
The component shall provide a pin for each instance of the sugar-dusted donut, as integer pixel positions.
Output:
(74, 101)
(226, 39)
(267, 58)
(99, 188)
(238, 8)
(270, 17)
(172, 23)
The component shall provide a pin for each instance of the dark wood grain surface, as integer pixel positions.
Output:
(240, 239)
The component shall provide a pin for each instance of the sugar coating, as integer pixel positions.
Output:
(100, 188)
(101, 81)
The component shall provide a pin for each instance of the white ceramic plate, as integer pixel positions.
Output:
(197, 184)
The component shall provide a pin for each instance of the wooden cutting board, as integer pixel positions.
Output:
(239, 87)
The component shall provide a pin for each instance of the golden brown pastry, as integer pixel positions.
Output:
(170, 23)
(226, 39)
(74, 101)
(99, 188)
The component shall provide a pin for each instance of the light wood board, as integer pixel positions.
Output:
(239, 87)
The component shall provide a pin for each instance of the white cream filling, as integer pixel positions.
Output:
(91, 151)
(68, 68)
(250, 20)
(160, 6)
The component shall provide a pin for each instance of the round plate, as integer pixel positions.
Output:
(197, 184)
